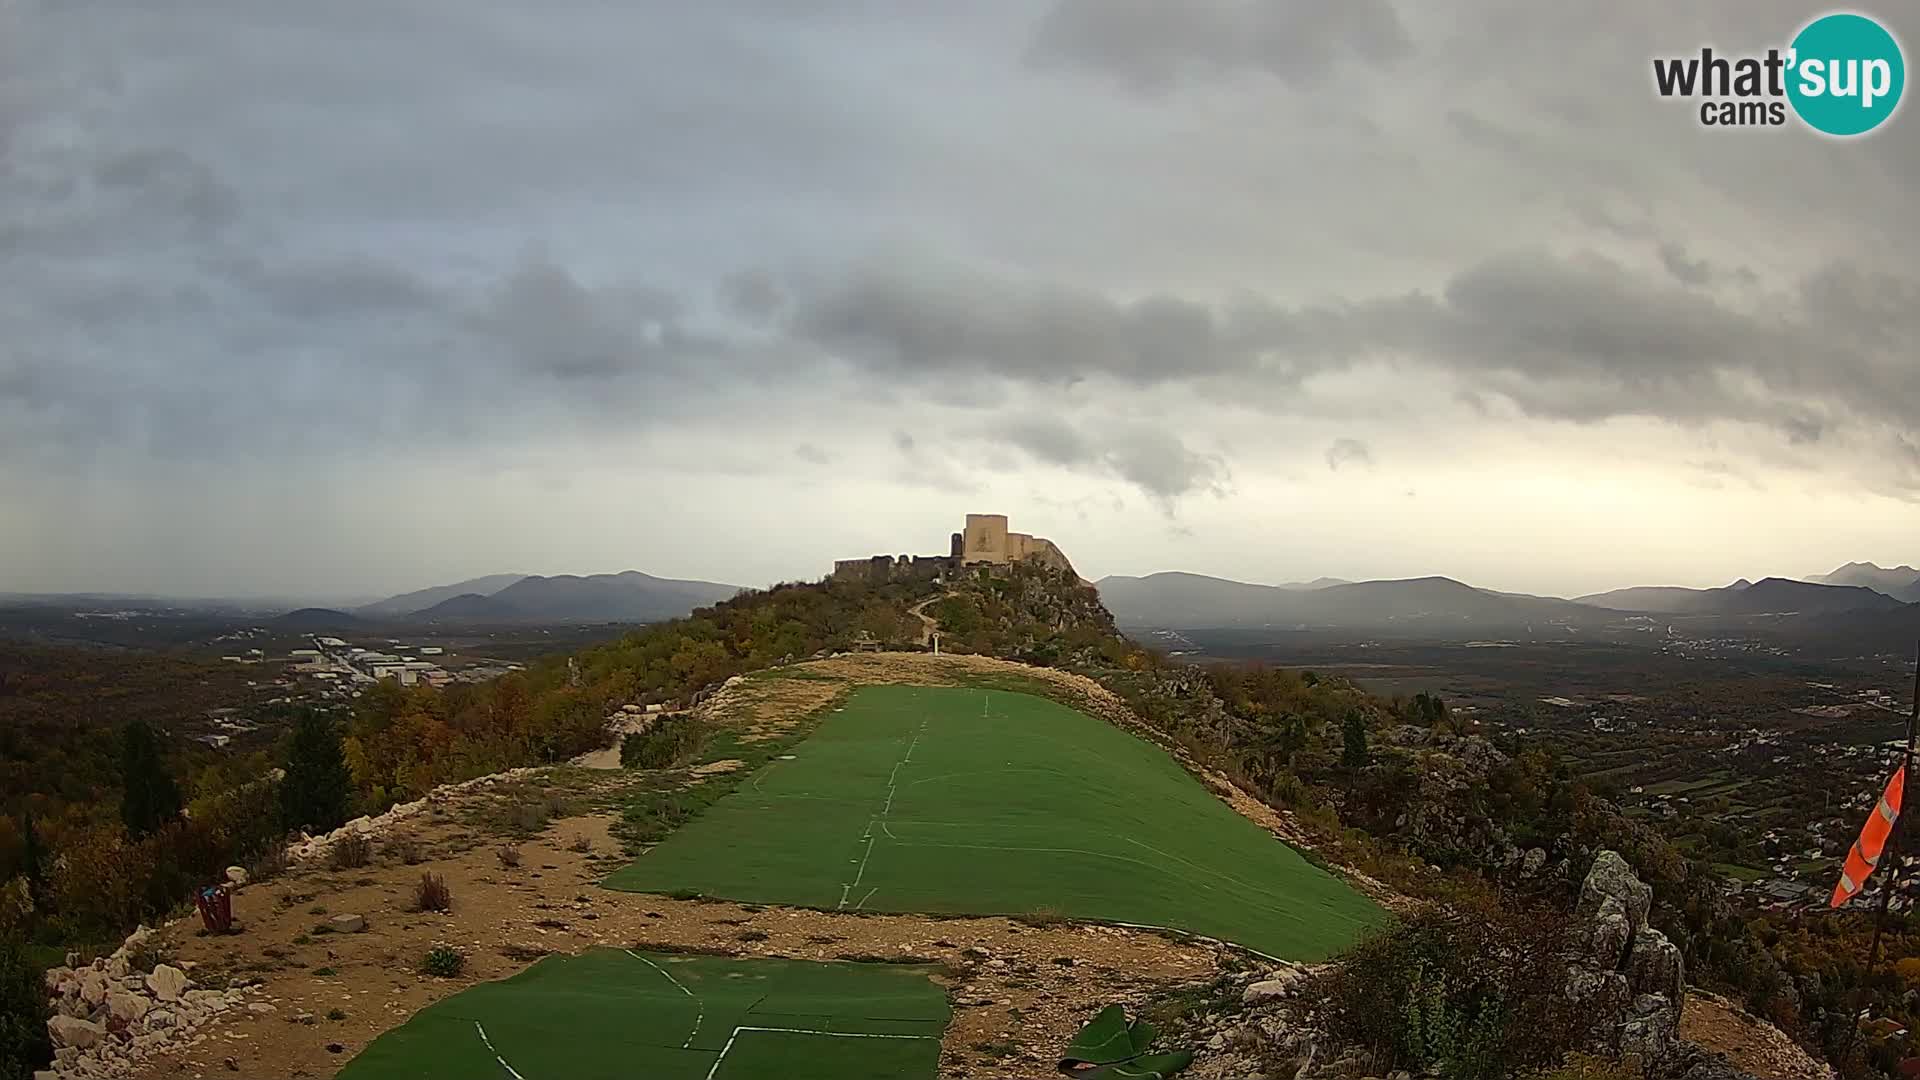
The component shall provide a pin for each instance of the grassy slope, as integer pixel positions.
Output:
(609, 1014)
(1006, 804)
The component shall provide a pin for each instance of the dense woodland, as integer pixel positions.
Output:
(1399, 788)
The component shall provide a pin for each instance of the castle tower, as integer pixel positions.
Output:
(985, 540)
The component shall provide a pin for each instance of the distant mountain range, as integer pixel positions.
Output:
(422, 599)
(1769, 596)
(1180, 600)
(1900, 582)
(626, 597)
(1445, 606)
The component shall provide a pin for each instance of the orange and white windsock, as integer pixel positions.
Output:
(1865, 853)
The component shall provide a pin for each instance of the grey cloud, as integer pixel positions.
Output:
(1049, 440)
(555, 325)
(338, 288)
(1149, 458)
(1149, 44)
(945, 320)
(1578, 337)
(1684, 270)
(1349, 452)
(812, 454)
(754, 295)
(172, 182)
(1163, 466)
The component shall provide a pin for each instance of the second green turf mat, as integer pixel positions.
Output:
(614, 1015)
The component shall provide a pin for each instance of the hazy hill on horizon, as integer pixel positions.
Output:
(1767, 596)
(420, 599)
(1177, 599)
(629, 596)
(1900, 582)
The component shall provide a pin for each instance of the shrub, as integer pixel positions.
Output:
(443, 961)
(432, 894)
(24, 1046)
(404, 849)
(269, 864)
(666, 744)
(1471, 994)
(581, 844)
(351, 852)
(509, 856)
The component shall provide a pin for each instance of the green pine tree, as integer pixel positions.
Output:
(33, 860)
(315, 792)
(1354, 734)
(149, 798)
(24, 1045)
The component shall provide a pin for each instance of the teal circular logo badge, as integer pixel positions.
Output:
(1846, 74)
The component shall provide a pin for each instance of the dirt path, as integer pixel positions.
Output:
(1759, 1048)
(928, 624)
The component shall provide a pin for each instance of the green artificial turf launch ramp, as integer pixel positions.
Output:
(966, 801)
(615, 1015)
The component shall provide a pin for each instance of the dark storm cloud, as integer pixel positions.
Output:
(1150, 44)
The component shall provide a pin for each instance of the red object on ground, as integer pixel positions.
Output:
(216, 908)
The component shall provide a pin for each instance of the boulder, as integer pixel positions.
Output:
(127, 1008)
(75, 1033)
(1651, 1027)
(348, 924)
(1656, 967)
(93, 987)
(1266, 990)
(168, 982)
(1612, 877)
(1532, 861)
(1610, 934)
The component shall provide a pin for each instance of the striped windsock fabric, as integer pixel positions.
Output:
(1865, 853)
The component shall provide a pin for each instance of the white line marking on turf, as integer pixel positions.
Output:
(864, 899)
(699, 1005)
(892, 786)
(496, 1053)
(801, 1031)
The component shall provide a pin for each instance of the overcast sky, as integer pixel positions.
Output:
(352, 297)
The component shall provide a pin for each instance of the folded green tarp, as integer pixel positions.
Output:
(1110, 1048)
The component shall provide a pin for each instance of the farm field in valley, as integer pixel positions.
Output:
(986, 802)
(615, 1013)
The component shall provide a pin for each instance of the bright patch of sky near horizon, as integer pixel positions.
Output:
(359, 298)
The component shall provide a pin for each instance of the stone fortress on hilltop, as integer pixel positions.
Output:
(984, 542)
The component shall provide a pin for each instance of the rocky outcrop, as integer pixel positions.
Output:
(107, 1015)
(1627, 964)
